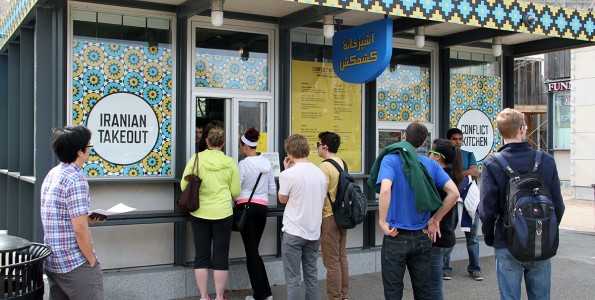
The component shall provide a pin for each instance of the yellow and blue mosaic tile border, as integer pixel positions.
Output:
(17, 11)
(504, 14)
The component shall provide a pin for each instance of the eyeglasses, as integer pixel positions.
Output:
(89, 146)
(318, 144)
(438, 153)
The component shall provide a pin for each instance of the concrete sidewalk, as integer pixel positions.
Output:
(573, 271)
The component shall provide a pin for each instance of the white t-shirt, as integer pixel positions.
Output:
(305, 184)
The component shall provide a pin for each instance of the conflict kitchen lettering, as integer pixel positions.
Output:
(122, 129)
(472, 135)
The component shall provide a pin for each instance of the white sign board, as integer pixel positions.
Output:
(124, 128)
(478, 133)
(273, 157)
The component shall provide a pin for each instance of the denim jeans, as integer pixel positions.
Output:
(538, 276)
(295, 251)
(410, 250)
(435, 279)
(472, 246)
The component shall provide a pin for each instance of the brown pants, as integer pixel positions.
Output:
(84, 283)
(332, 241)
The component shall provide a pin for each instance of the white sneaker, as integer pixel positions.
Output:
(252, 298)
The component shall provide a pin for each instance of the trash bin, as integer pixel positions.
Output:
(21, 268)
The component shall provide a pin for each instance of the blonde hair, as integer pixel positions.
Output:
(509, 121)
(216, 137)
(296, 145)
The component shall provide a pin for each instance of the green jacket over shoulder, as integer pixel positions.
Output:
(426, 194)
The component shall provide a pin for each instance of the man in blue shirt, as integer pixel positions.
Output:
(455, 136)
(409, 233)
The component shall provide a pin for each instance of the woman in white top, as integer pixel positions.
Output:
(249, 168)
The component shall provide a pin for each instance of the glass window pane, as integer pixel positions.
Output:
(231, 59)
(386, 138)
(561, 127)
(254, 114)
(321, 101)
(404, 88)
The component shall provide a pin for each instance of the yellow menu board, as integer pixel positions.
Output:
(320, 101)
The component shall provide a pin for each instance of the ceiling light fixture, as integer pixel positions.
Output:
(328, 29)
(497, 46)
(420, 37)
(217, 13)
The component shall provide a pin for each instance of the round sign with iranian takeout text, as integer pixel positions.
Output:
(124, 128)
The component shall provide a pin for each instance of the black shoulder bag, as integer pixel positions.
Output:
(239, 215)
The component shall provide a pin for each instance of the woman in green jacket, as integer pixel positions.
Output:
(211, 222)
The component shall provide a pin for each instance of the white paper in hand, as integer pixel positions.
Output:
(116, 209)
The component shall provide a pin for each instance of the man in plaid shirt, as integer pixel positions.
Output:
(72, 270)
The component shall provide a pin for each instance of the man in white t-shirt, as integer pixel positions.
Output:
(302, 186)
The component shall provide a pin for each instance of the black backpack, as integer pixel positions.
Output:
(530, 223)
(351, 204)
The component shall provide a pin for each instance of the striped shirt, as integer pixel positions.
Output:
(64, 196)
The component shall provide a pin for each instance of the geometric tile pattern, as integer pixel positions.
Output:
(230, 72)
(505, 15)
(483, 93)
(102, 67)
(404, 94)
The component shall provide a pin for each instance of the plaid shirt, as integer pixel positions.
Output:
(64, 196)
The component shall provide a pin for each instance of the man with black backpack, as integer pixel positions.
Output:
(332, 238)
(521, 208)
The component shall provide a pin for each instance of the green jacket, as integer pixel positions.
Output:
(220, 182)
(424, 189)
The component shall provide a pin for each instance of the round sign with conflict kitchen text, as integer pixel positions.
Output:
(124, 128)
(478, 133)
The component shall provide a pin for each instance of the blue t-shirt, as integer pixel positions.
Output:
(401, 212)
(468, 159)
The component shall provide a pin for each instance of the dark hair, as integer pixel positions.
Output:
(452, 132)
(331, 140)
(201, 122)
(416, 134)
(252, 135)
(67, 141)
(202, 143)
(452, 156)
